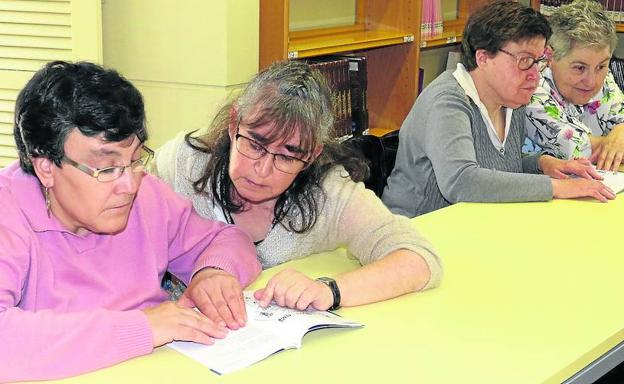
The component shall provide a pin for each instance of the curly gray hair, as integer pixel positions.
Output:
(583, 23)
(293, 96)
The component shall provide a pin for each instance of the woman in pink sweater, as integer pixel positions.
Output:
(86, 236)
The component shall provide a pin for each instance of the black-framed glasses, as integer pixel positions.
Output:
(525, 62)
(253, 150)
(105, 175)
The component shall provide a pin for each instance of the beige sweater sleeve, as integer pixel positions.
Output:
(357, 219)
(165, 160)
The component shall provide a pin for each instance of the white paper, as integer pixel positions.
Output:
(268, 330)
(613, 180)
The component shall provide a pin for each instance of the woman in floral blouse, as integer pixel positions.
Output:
(578, 109)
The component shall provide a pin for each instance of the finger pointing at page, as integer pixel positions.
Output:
(218, 295)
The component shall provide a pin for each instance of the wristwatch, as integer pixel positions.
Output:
(331, 283)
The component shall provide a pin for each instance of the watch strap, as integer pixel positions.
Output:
(333, 286)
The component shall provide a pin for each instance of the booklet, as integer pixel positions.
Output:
(268, 330)
(613, 180)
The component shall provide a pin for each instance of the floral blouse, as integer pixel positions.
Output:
(561, 128)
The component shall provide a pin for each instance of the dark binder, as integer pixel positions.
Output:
(336, 72)
(358, 84)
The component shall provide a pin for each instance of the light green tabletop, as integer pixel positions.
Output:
(531, 294)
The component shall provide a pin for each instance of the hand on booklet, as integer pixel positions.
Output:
(575, 178)
(218, 295)
(609, 150)
(171, 321)
(613, 180)
(292, 289)
(563, 169)
(268, 330)
(610, 182)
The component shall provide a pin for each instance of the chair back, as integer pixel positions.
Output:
(379, 154)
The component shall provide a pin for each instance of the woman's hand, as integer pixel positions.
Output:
(571, 188)
(170, 321)
(293, 289)
(560, 169)
(218, 295)
(609, 152)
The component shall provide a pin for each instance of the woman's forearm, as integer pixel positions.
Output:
(400, 272)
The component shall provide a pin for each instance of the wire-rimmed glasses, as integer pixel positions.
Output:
(108, 174)
(525, 62)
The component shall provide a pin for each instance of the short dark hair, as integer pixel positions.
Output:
(497, 23)
(63, 96)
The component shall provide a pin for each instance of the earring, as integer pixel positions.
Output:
(46, 193)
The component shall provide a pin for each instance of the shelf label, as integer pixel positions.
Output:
(451, 40)
(423, 44)
(293, 55)
(408, 38)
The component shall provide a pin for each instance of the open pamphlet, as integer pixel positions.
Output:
(613, 180)
(268, 330)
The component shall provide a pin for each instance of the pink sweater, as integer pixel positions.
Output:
(71, 304)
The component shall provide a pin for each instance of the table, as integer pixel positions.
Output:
(531, 294)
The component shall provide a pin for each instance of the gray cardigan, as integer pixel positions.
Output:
(445, 156)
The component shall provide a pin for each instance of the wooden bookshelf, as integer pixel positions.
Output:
(445, 38)
(386, 32)
(453, 29)
(344, 42)
(535, 4)
(379, 132)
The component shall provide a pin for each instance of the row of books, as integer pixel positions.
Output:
(617, 69)
(347, 77)
(548, 6)
(432, 23)
(614, 8)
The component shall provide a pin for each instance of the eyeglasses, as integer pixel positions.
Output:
(105, 175)
(525, 62)
(253, 150)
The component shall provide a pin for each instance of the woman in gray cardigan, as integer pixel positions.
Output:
(267, 164)
(462, 139)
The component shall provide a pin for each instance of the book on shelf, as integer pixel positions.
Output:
(426, 23)
(268, 331)
(613, 8)
(432, 22)
(438, 20)
(346, 74)
(617, 70)
(609, 6)
(336, 73)
(548, 6)
(358, 84)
